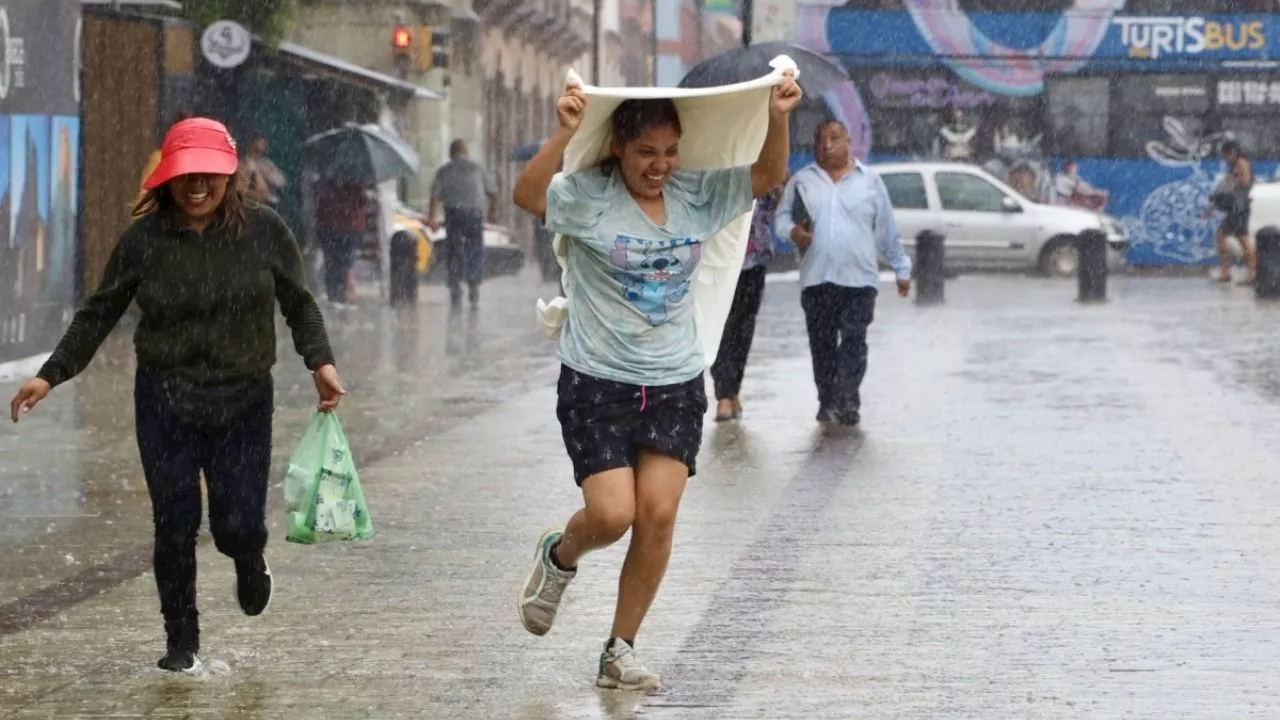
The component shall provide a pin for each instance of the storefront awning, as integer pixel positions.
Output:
(305, 55)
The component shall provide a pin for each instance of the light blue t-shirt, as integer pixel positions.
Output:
(631, 310)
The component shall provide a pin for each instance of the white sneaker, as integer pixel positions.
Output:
(539, 598)
(620, 669)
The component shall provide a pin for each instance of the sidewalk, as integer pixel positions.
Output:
(1052, 511)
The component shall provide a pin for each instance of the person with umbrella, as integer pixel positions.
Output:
(466, 190)
(631, 396)
(207, 268)
(347, 162)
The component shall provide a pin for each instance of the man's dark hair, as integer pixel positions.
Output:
(826, 124)
(1231, 146)
(457, 149)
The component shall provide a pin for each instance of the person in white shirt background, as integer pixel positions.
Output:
(846, 218)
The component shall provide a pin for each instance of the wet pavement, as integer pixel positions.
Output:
(1052, 511)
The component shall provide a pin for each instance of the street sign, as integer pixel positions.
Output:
(226, 44)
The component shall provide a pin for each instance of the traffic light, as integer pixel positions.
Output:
(435, 56)
(402, 48)
(402, 39)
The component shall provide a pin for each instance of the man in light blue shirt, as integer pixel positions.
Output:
(837, 213)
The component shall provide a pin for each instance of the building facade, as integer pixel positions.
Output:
(499, 65)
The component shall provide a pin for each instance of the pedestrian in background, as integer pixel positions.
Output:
(837, 213)
(740, 328)
(466, 190)
(1232, 198)
(342, 219)
(206, 269)
(631, 396)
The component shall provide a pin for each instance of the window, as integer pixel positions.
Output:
(1151, 105)
(968, 193)
(1259, 136)
(1077, 111)
(906, 191)
(666, 15)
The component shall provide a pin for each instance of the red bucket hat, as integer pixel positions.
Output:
(195, 146)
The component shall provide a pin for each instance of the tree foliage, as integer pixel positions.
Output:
(267, 18)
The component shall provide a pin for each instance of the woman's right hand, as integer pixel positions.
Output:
(571, 106)
(31, 393)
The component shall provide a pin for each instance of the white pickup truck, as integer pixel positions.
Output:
(989, 225)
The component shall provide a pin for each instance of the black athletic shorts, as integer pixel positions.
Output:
(1236, 224)
(603, 421)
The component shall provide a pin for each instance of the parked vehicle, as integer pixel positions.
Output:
(502, 256)
(1265, 208)
(987, 224)
(411, 226)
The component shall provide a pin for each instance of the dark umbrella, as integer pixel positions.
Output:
(361, 155)
(817, 73)
(525, 153)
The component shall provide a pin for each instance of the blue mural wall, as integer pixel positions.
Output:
(39, 168)
(985, 76)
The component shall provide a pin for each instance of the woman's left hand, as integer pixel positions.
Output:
(786, 94)
(329, 387)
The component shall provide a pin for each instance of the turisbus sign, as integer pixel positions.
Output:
(1156, 37)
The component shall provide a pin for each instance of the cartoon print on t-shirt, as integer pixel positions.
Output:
(655, 272)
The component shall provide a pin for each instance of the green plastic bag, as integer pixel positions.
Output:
(322, 497)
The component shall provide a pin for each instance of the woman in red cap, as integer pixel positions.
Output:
(206, 269)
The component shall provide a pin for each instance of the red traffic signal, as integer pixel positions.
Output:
(402, 38)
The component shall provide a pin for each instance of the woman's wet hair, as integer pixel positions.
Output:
(634, 118)
(229, 216)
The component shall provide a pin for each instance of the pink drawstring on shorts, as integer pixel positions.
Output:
(644, 398)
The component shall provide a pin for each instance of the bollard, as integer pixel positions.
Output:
(404, 270)
(930, 268)
(1092, 273)
(1268, 254)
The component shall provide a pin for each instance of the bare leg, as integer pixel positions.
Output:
(609, 511)
(659, 485)
(1250, 256)
(1224, 256)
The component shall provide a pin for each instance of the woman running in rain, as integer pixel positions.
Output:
(631, 392)
(206, 270)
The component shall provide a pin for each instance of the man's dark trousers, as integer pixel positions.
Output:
(464, 249)
(837, 318)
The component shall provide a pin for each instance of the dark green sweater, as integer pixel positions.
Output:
(208, 301)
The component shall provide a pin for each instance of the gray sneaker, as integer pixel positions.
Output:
(540, 597)
(620, 669)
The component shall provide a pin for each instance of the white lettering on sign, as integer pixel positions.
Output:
(1255, 93)
(1153, 37)
(1230, 93)
(13, 58)
(1249, 92)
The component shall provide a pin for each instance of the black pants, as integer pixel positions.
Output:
(223, 431)
(464, 248)
(339, 248)
(739, 330)
(837, 318)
